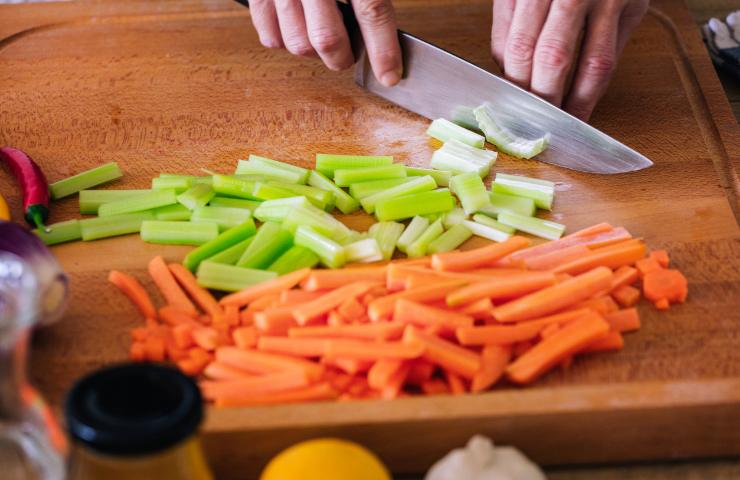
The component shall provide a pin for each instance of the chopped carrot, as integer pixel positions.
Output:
(521, 348)
(296, 296)
(446, 354)
(383, 307)
(299, 347)
(167, 285)
(254, 385)
(498, 334)
(662, 304)
(246, 317)
(154, 349)
(245, 337)
(661, 256)
(274, 286)
(494, 359)
(139, 334)
(262, 303)
(339, 380)
(200, 295)
(613, 256)
(602, 227)
(610, 342)
(435, 386)
(275, 321)
(420, 372)
(137, 352)
(666, 284)
(549, 330)
(231, 315)
(316, 392)
(331, 279)
(592, 239)
(351, 366)
(626, 296)
(603, 304)
(262, 362)
(551, 260)
(501, 288)
(340, 348)
(206, 338)
(333, 319)
(182, 335)
(455, 383)
(358, 386)
(371, 331)
(222, 371)
(190, 367)
(173, 315)
(481, 309)
(408, 312)
(625, 320)
(394, 384)
(131, 287)
(624, 275)
(381, 372)
(479, 257)
(647, 265)
(200, 355)
(351, 308)
(307, 312)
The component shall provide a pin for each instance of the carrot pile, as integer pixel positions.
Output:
(454, 322)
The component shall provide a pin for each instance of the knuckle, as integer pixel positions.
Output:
(378, 12)
(520, 47)
(553, 54)
(572, 6)
(298, 47)
(600, 66)
(326, 40)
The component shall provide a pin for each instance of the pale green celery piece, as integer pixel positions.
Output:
(296, 258)
(413, 230)
(218, 201)
(417, 185)
(387, 235)
(233, 187)
(505, 140)
(91, 200)
(207, 179)
(113, 226)
(454, 217)
(323, 199)
(232, 254)
(441, 177)
(533, 225)
(228, 278)
(225, 240)
(273, 169)
(343, 201)
(347, 176)
(499, 202)
(354, 236)
(270, 242)
(317, 219)
(178, 233)
(326, 163)
(365, 189)
(521, 178)
(485, 231)
(224, 217)
(174, 213)
(255, 178)
(458, 158)
(486, 220)
(178, 184)
(444, 130)
(277, 210)
(450, 240)
(145, 201)
(464, 117)
(363, 251)
(433, 217)
(542, 195)
(265, 191)
(197, 196)
(330, 252)
(470, 190)
(88, 179)
(61, 232)
(420, 245)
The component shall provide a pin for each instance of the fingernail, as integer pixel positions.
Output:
(390, 78)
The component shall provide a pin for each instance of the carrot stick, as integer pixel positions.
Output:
(500, 288)
(394, 385)
(383, 307)
(662, 304)
(446, 354)
(245, 337)
(200, 295)
(435, 386)
(455, 383)
(661, 256)
(135, 292)
(625, 320)
(154, 348)
(494, 360)
(625, 253)
(567, 341)
(316, 392)
(167, 285)
(479, 257)
(331, 279)
(626, 296)
(420, 372)
(314, 309)
(276, 285)
(646, 265)
(222, 371)
(173, 315)
(268, 301)
(602, 305)
(611, 342)
(624, 275)
(551, 260)
(137, 352)
(262, 362)
(498, 334)
(206, 338)
(294, 297)
(275, 321)
(408, 312)
(549, 330)
(255, 385)
(352, 366)
(590, 240)
(382, 371)
(371, 331)
(351, 308)
(592, 230)
(336, 348)
(481, 309)
(554, 298)
(299, 347)
(339, 380)
(666, 284)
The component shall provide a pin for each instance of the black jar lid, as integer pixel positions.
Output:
(133, 409)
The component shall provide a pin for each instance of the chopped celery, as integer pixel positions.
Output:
(224, 217)
(233, 187)
(347, 176)
(326, 163)
(420, 245)
(363, 251)
(317, 219)
(444, 130)
(486, 220)
(454, 217)
(139, 203)
(277, 210)
(295, 258)
(81, 181)
(323, 199)
(272, 168)
(178, 233)
(354, 236)
(433, 217)
(417, 185)
(505, 140)
(461, 158)
(196, 196)
(178, 184)
(500, 202)
(520, 178)
(232, 254)
(250, 205)
(270, 242)
(174, 212)
(470, 190)
(229, 278)
(91, 200)
(113, 226)
(208, 179)
(541, 193)
(450, 240)
(225, 240)
(414, 229)
(387, 235)
(416, 204)
(365, 189)
(266, 191)
(535, 226)
(485, 231)
(330, 252)
(60, 232)
(345, 203)
(441, 177)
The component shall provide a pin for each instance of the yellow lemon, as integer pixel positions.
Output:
(325, 459)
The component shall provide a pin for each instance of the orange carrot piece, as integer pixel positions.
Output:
(314, 309)
(661, 256)
(446, 354)
(381, 372)
(666, 284)
(274, 286)
(339, 380)
(139, 334)
(551, 260)
(297, 296)
(626, 296)
(261, 362)
(481, 309)
(316, 392)
(521, 348)
(254, 385)
(190, 367)
(420, 372)
(206, 338)
(331, 279)
(625, 320)
(137, 352)
(647, 265)
(222, 371)
(263, 303)
(135, 291)
(200, 295)
(167, 285)
(662, 304)
(200, 355)
(610, 342)
(624, 275)
(231, 315)
(614, 256)
(500, 288)
(246, 317)
(333, 319)
(298, 347)
(154, 349)
(370, 331)
(455, 383)
(340, 348)
(603, 304)
(494, 360)
(591, 238)
(479, 257)
(173, 315)
(408, 312)
(602, 227)
(394, 385)
(358, 386)
(498, 334)
(182, 335)
(351, 308)
(245, 337)
(435, 386)
(275, 321)
(549, 330)
(351, 366)
(383, 307)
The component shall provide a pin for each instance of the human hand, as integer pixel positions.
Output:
(314, 28)
(536, 42)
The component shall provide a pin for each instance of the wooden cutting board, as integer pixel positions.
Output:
(183, 85)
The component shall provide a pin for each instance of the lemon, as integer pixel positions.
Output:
(325, 459)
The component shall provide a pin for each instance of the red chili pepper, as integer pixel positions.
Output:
(33, 184)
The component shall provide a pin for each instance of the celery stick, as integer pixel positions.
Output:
(505, 140)
(420, 245)
(417, 204)
(317, 219)
(470, 190)
(444, 130)
(270, 242)
(196, 196)
(225, 240)
(346, 176)
(523, 187)
(139, 203)
(60, 232)
(277, 210)
(363, 251)
(354, 236)
(450, 240)
(441, 177)
(433, 217)
(81, 181)
(178, 233)
(224, 217)
(326, 163)
(232, 254)
(192, 178)
(461, 158)
(91, 200)
(174, 213)
(485, 231)
(521, 178)
(178, 184)
(113, 226)
(295, 258)
(345, 203)
(414, 229)
(387, 235)
(330, 252)
(265, 191)
(499, 202)
(535, 226)
(233, 187)
(365, 189)
(272, 168)
(218, 201)
(454, 217)
(321, 198)
(417, 185)
(229, 278)
(486, 220)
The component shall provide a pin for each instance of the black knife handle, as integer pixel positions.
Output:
(348, 16)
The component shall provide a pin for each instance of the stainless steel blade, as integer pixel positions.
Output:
(438, 84)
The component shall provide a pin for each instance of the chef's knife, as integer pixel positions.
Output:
(438, 84)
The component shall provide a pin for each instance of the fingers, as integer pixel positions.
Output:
(378, 25)
(293, 27)
(264, 19)
(327, 34)
(503, 12)
(526, 23)
(631, 18)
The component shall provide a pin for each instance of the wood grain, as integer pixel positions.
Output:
(179, 86)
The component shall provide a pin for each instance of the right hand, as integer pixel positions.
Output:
(313, 28)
